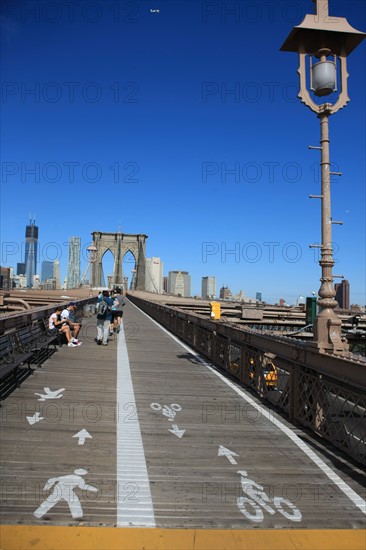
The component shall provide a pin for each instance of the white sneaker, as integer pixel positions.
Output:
(72, 345)
(75, 340)
(78, 343)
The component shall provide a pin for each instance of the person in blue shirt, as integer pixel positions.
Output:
(104, 321)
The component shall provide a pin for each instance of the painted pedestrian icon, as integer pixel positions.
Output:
(49, 394)
(63, 489)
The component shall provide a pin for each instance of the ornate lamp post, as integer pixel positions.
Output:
(92, 257)
(325, 40)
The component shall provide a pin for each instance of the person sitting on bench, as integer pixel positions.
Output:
(67, 315)
(56, 325)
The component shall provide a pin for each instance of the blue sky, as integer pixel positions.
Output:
(183, 125)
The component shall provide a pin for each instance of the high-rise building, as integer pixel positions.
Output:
(56, 273)
(31, 248)
(5, 278)
(179, 283)
(133, 279)
(165, 284)
(20, 281)
(49, 284)
(208, 288)
(46, 270)
(225, 293)
(258, 296)
(154, 275)
(21, 269)
(36, 283)
(73, 272)
(342, 294)
(125, 284)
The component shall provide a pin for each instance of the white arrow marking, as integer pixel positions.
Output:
(35, 418)
(48, 394)
(223, 451)
(82, 435)
(176, 431)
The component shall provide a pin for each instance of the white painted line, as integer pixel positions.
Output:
(134, 502)
(342, 485)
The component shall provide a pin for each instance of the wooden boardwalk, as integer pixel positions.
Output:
(141, 433)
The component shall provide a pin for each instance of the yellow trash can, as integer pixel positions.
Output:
(215, 310)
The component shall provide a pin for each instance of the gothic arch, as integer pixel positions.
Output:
(119, 244)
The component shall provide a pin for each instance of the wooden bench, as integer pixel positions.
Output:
(60, 336)
(14, 365)
(33, 338)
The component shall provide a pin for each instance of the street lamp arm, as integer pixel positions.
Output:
(303, 93)
(343, 97)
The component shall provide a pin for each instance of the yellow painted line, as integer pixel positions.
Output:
(29, 537)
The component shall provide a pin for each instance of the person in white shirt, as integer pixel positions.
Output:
(67, 314)
(56, 324)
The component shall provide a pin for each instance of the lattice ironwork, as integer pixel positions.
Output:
(204, 341)
(190, 333)
(220, 351)
(235, 362)
(334, 412)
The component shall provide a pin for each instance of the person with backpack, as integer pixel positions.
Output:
(104, 317)
(117, 311)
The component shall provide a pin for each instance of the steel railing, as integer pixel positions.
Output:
(323, 392)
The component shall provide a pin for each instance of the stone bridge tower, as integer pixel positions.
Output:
(119, 244)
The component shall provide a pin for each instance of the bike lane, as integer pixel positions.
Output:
(215, 457)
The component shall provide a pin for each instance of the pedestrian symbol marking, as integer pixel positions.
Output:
(35, 418)
(63, 489)
(48, 394)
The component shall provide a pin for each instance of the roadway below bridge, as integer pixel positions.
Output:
(142, 443)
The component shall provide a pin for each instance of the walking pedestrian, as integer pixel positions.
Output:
(117, 310)
(104, 317)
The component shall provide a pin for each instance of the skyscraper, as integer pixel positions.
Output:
(179, 283)
(21, 268)
(31, 246)
(342, 294)
(225, 293)
(46, 271)
(154, 275)
(73, 272)
(5, 278)
(56, 273)
(208, 287)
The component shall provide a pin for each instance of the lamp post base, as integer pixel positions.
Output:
(328, 334)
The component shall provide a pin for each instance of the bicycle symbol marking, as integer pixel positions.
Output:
(169, 411)
(257, 500)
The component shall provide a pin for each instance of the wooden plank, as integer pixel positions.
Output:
(192, 486)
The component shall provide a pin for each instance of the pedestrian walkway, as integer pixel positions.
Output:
(144, 434)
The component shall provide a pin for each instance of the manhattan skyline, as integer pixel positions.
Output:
(185, 126)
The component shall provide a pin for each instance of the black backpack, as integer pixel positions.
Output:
(102, 308)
